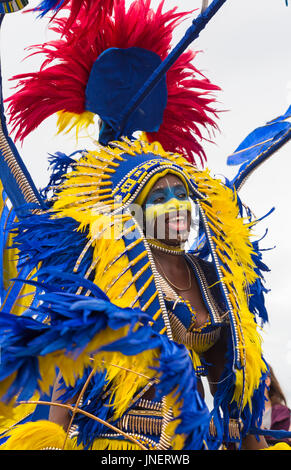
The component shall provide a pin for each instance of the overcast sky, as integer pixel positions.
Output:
(247, 52)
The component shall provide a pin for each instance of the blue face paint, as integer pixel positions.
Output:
(166, 200)
(165, 194)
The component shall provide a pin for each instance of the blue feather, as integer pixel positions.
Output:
(223, 401)
(74, 319)
(49, 5)
(59, 164)
(175, 371)
(259, 145)
(92, 403)
(5, 225)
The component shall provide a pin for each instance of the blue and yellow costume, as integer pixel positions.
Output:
(101, 315)
(125, 271)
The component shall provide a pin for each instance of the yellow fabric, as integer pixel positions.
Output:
(279, 446)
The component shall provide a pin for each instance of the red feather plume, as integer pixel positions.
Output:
(61, 82)
(73, 8)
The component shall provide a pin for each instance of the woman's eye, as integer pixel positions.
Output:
(182, 196)
(159, 200)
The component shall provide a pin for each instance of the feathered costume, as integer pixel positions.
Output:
(87, 301)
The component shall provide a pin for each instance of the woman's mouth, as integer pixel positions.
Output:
(178, 223)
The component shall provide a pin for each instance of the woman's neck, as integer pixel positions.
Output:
(170, 259)
(166, 248)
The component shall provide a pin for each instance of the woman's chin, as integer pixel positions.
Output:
(177, 239)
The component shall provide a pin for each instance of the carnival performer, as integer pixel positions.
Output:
(121, 318)
(277, 412)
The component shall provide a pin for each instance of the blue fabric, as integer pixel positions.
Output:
(158, 74)
(131, 163)
(230, 409)
(115, 77)
(176, 372)
(59, 166)
(74, 319)
(258, 289)
(93, 403)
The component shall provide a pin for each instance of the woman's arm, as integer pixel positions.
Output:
(57, 414)
(250, 442)
(215, 356)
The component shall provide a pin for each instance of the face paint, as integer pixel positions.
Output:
(169, 200)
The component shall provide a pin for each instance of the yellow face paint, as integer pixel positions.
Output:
(167, 210)
(153, 211)
(166, 199)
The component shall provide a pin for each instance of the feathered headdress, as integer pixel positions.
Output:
(97, 66)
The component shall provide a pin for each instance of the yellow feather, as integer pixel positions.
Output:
(116, 444)
(231, 241)
(37, 435)
(68, 121)
(127, 375)
(10, 415)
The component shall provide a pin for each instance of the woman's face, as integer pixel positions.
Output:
(167, 211)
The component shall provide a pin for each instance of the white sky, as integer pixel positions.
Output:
(247, 52)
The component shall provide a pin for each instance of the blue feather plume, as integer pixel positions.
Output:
(259, 145)
(59, 165)
(49, 5)
(93, 403)
(223, 401)
(74, 319)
